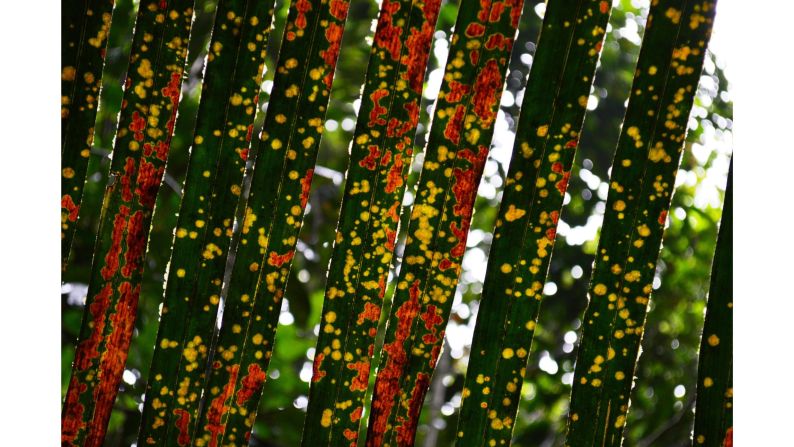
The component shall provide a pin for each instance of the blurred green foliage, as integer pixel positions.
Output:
(663, 397)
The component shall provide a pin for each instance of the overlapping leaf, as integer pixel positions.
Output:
(146, 124)
(212, 189)
(84, 32)
(714, 406)
(546, 140)
(457, 148)
(287, 150)
(376, 178)
(641, 186)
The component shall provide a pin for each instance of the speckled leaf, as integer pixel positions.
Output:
(84, 30)
(641, 186)
(547, 136)
(142, 143)
(457, 148)
(714, 406)
(375, 182)
(229, 98)
(273, 217)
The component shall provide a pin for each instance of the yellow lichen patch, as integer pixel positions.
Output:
(619, 205)
(180, 273)
(708, 382)
(713, 340)
(506, 268)
(600, 289)
(543, 130)
(513, 213)
(507, 353)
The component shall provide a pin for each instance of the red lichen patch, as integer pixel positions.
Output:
(395, 179)
(277, 260)
(498, 40)
(431, 319)
(137, 125)
(406, 431)
(562, 185)
(465, 191)
(474, 57)
(515, 11)
(306, 184)
(371, 312)
(387, 384)
(182, 424)
(355, 415)
(496, 12)
(136, 244)
(244, 154)
(413, 118)
(452, 130)
(333, 34)
(391, 235)
(557, 167)
(392, 213)
(603, 7)
(434, 352)
(418, 45)
(249, 133)
(377, 110)
(112, 361)
(149, 178)
(571, 144)
(218, 407)
(171, 91)
(551, 233)
(160, 149)
(475, 30)
(126, 179)
(728, 441)
(360, 382)
(68, 204)
(445, 264)
(339, 9)
(555, 216)
(87, 350)
(317, 373)
(386, 158)
(72, 422)
(485, 9)
(456, 92)
(381, 293)
(112, 256)
(351, 435)
(251, 384)
(387, 36)
(662, 217)
(371, 160)
(302, 6)
(488, 83)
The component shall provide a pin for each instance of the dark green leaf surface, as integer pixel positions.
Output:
(146, 124)
(641, 186)
(547, 137)
(457, 148)
(376, 177)
(212, 189)
(273, 218)
(714, 406)
(84, 30)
